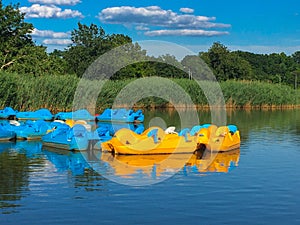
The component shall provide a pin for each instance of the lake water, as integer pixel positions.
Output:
(257, 184)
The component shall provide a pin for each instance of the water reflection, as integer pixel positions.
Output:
(21, 160)
(66, 160)
(14, 176)
(49, 189)
(154, 166)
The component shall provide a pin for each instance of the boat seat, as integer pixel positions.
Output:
(194, 131)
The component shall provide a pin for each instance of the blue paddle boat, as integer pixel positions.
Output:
(28, 130)
(67, 138)
(41, 114)
(5, 134)
(81, 114)
(121, 115)
(114, 127)
(7, 113)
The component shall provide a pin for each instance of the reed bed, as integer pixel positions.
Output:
(57, 93)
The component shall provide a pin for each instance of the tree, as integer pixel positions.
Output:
(14, 35)
(225, 64)
(37, 62)
(296, 57)
(89, 42)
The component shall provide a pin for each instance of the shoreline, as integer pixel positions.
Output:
(207, 107)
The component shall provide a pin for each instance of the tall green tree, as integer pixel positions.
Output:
(225, 64)
(89, 42)
(14, 35)
(296, 57)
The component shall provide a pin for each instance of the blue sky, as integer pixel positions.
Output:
(260, 26)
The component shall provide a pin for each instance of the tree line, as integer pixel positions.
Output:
(20, 54)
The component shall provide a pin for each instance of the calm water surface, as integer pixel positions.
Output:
(258, 184)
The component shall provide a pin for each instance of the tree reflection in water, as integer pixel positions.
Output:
(14, 178)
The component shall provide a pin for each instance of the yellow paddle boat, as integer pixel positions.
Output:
(219, 139)
(155, 140)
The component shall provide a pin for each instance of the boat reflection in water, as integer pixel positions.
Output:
(127, 166)
(72, 161)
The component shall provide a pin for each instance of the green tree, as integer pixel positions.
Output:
(296, 57)
(225, 64)
(89, 42)
(14, 35)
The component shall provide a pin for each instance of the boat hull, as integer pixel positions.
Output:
(212, 138)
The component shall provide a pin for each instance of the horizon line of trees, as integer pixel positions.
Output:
(20, 54)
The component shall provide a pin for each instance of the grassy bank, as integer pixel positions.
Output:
(57, 92)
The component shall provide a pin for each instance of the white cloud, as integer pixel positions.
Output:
(186, 10)
(57, 41)
(49, 11)
(155, 16)
(143, 28)
(56, 2)
(49, 34)
(185, 32)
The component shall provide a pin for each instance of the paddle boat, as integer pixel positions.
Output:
(114, 127)
(7, 113)
(154, 140)
(157, 141)
(81, 114)
(219, 139)
(29, 129)
(41, 114)
(68, 138)
(5, 134)
(107, 130)
(121, 115)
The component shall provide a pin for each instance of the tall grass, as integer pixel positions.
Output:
(57, 93)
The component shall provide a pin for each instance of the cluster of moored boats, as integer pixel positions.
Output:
(67, 130)
(119, 115)
(116, 131)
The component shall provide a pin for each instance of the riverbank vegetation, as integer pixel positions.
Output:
(31, 77)
(57, 92)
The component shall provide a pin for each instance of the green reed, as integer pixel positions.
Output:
(57, 92)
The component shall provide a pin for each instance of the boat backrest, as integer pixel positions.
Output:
(184, 133)
(222, 131)
(153, 133)
(78, 130)
(195, 130)
(139, 129)
(211, 130)
(232, 128)
(63, 128)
